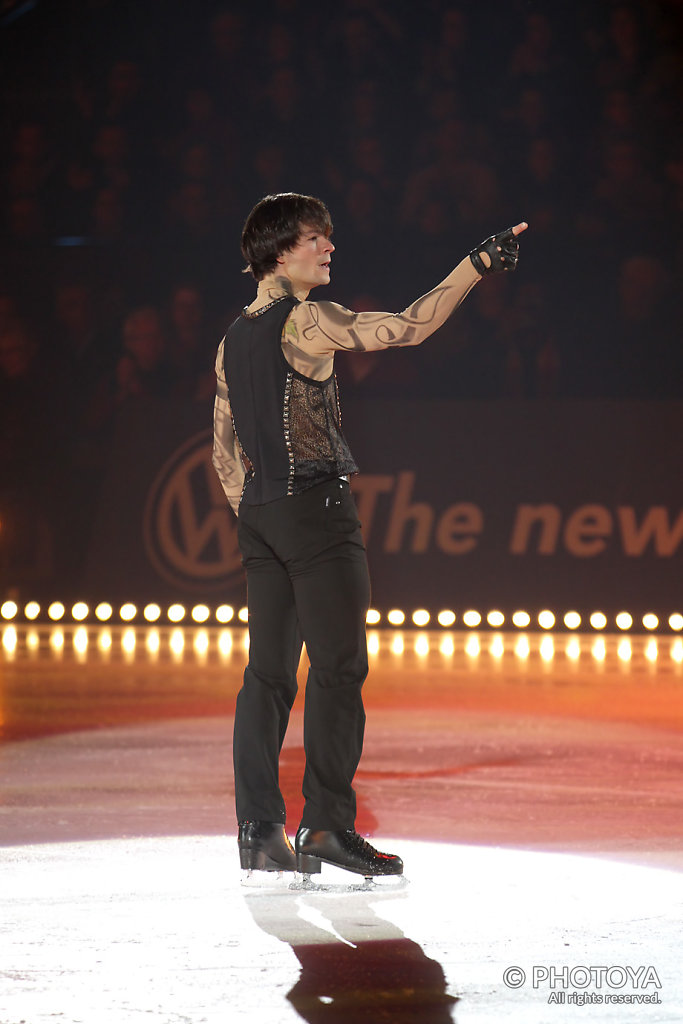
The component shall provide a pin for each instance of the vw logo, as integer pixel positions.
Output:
(190, 533)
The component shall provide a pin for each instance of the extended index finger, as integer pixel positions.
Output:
(518, 228)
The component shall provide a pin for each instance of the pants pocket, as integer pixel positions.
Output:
(339, 509)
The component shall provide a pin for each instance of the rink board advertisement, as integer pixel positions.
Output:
(532, 505)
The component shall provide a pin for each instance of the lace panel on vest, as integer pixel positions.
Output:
(317, 448)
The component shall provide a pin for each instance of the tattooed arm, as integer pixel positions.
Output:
(226, 454)
(315, 330)
(324, 327)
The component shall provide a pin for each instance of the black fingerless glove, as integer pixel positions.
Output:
(503, 250)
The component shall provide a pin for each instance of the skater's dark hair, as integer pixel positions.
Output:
(274, 226)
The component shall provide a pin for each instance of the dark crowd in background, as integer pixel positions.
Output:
(136, 136)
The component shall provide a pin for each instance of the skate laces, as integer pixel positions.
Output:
(361, 844)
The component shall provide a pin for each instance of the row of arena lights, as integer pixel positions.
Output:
(225, 613)
(422, 643)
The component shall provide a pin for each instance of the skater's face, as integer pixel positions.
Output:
(307, 264)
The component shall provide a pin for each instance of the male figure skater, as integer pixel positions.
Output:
(284, 464)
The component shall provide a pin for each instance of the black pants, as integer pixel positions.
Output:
(307, 579)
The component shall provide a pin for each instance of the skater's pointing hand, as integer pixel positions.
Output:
(499, 252)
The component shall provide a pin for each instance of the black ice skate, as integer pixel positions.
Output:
(343, 849)
(265, 846)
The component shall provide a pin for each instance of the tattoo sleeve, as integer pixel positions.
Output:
(322, 328)
(226, 457)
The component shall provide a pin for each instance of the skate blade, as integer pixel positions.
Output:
(252, 878)
(357, 883)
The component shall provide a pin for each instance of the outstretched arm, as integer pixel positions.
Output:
(321, 328)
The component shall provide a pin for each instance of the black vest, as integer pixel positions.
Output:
(288, 426)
